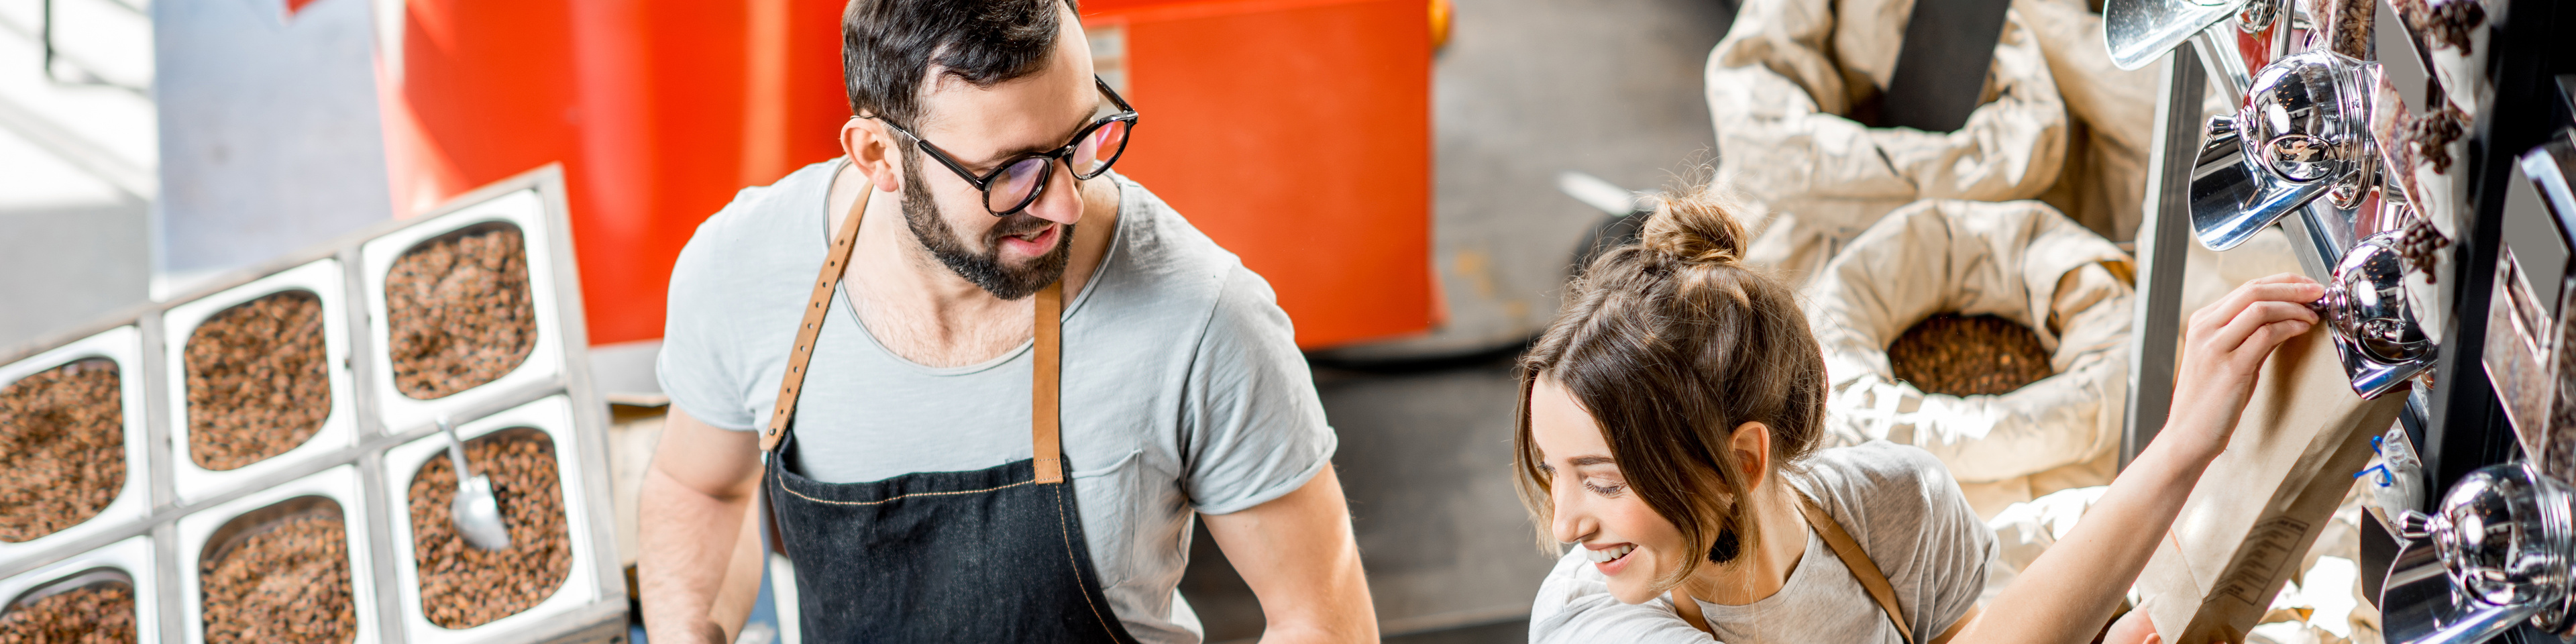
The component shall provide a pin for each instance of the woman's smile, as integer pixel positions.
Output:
(1609, 558)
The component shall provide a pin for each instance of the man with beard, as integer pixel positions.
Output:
(1016, 381)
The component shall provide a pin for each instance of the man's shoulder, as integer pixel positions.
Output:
(1159, 257)
(772, 230)
(758, 214)
(1154, 236)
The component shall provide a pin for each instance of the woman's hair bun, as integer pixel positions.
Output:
(1696, 226)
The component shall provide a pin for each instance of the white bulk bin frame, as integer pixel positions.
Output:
(175, 523)
(341, 485)
(554, 417)
(528, 211)
(124, 345)
(325, 279)
(134, 557)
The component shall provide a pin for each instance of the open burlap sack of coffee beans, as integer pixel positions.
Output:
(2012, 322)
(283, 582)
(459, 311)
(62, 448)
(95, 614)
(462, 586)
(258, 381)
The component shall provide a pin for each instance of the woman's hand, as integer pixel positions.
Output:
(2223, 351)
(2066, 594)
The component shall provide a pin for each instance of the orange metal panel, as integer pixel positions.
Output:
(658, 109)
(1297, 133)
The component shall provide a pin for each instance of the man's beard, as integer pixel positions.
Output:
(921, 214)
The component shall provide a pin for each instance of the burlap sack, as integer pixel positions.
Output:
(2021, 261)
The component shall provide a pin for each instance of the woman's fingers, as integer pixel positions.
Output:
(2232, 335)
(2284, 287)
(2258, 346)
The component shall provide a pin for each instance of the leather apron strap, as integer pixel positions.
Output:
(1045, 376)
(1045, 367)
(816, 305)
(1857, 560)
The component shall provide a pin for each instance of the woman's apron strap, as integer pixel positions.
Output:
(1858, 561)
(820, 302)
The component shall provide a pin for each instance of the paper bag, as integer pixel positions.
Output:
(2263, 501)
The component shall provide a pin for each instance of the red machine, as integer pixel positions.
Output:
(1297, 133)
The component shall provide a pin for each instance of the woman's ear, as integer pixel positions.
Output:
(1752, 445)
(871, 149)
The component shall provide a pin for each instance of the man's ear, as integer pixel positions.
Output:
(1752, 445)
(871, 148)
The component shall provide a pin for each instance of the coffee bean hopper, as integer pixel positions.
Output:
(2302, 140)
(2417, 154)
(2498, 553)
(175, 518)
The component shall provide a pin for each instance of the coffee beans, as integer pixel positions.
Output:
(95, 614)
(1969, 356)
(460, 312)
(62, 448)
(463, 587)
(288, 583)
(2450, 23)
(258, 381)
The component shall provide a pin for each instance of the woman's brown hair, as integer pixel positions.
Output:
(1671, 345)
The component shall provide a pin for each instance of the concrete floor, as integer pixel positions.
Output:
(1425, 460)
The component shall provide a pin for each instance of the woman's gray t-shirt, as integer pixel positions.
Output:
(1896, 500)
(1183, 387)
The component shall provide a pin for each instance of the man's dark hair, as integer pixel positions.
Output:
(888, 47)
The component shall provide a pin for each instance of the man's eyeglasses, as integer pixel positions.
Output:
(1017, 182)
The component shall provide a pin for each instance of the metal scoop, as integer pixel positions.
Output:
(477, 512)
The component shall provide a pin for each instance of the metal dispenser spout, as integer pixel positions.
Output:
(2496, 553)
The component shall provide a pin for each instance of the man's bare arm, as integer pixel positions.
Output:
(700, 569)
(1298, 555)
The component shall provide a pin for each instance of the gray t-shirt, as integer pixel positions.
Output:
(1182, 385)
(1896, 500)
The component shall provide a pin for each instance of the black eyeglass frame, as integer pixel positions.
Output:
(984, 184)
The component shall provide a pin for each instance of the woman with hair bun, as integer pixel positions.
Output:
(1668, 427)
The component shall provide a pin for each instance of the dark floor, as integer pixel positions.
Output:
(1425, 459)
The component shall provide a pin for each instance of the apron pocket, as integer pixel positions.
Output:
(1114, 502)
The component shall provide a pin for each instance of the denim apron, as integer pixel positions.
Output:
(991, 555)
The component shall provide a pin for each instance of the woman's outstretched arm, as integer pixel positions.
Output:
(2065, 595)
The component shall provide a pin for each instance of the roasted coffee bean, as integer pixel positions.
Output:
(460, 312)
(1969, 356)
(258, 381)
(462, 586)
(62, 448)
(288, 583)
(2449, 23)
(2433, 133)
(2350, 29)
(96, 614)
(2418, 243)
